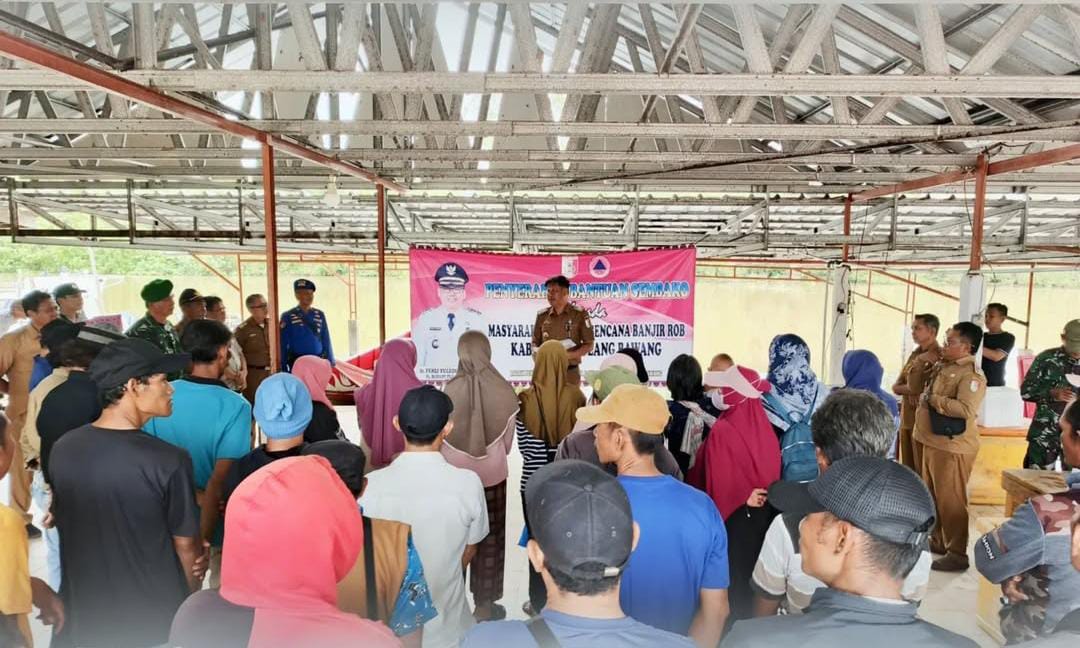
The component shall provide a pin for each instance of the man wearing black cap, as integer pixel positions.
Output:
(124, 503)
(71, 349)
(192, 307)
(867, 520)
(69, 299)
(438, 329)
(304, 328)
(583, 532)
(154, 327)
(445, 506)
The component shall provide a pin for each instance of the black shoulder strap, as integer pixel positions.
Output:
(791, 522)
(541, 633)
(369, 571)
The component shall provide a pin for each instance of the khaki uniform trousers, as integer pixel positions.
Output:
(946, 475)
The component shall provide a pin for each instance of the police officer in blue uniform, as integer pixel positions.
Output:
(304, 329)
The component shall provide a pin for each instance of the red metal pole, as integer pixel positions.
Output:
(1031, 291)
(24, 50)
(270, 225)
(913, 185)
(240, 287)
(978, 214)
(847, 226)
(380, 201)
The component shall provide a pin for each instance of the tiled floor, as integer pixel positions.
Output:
(950, 601)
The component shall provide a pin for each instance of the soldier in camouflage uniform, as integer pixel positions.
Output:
(1046, 385)
(1030, 554)
(154, 327)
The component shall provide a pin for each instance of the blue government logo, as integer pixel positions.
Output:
(599, 267)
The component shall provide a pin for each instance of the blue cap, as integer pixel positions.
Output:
(303, 284)
(282, 406)
(451, 275)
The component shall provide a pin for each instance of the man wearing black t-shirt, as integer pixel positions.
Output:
(124, 503)
(997, 345)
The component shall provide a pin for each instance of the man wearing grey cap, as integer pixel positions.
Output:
(69, 300)
(583, 532)
(867, 522)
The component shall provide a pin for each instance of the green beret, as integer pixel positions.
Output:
(156, 290)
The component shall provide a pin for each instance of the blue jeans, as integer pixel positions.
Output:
(43, 498)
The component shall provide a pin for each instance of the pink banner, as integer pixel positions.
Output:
(643, 300)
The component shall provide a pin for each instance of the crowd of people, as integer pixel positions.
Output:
(745, 510)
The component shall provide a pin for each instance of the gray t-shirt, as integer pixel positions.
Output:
(574, 632)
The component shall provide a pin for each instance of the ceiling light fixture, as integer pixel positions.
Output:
(331, 198)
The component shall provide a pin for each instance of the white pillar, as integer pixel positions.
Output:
(972, 299)
(839, 277)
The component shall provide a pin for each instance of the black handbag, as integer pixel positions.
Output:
(946, 426)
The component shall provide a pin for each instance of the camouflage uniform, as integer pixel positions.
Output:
(1034, 545)
(1044, 436)
(163, 336)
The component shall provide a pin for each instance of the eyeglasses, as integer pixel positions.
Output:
(254, 306)
(957, 342)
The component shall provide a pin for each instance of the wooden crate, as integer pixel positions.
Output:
(1000, 449)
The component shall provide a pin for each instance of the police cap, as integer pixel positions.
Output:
(451, 275)
(303, 284)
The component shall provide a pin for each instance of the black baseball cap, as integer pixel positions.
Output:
(580, 516)
(190, 295)
(424, 412)
(346, 458)
(66, 290)
(130, 358)
(881, 497)
(58, 331)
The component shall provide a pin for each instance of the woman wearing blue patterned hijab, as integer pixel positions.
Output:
(793, 381)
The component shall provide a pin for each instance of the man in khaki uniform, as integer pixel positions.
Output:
(912, 381)
(17, 352)
(254, 341)
(956, 389)
(566, 322)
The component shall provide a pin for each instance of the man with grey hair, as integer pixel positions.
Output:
(850, 423)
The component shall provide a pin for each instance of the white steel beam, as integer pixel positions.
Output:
(935, 57)
(589, 83)
(1066, 132)
(996, 46)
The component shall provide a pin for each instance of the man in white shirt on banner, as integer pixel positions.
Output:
(437, 329)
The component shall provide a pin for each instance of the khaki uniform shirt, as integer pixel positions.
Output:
(254, 341)
(17, 352)
(915, 373)
(31, 440)
(572, 324)
(955, 389)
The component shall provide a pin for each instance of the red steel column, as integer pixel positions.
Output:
(270, 225)
(1031, 291)
(380, 201)
(977, 216)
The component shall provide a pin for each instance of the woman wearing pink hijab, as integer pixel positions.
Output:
(740, 455)
(377, 402)
(315, 373)
(269, 598)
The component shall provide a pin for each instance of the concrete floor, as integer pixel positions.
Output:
(950, 600)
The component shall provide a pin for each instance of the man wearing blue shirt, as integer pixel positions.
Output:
(304, 329)
(583, 533)
(210, 421)
(678, 576)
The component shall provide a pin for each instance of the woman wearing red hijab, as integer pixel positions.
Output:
(291, 533)
(741, 454)
(377, 402)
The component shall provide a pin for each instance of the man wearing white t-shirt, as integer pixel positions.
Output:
(851, 422)
(444, 505)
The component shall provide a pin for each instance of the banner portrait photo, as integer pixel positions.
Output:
(643, 300)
